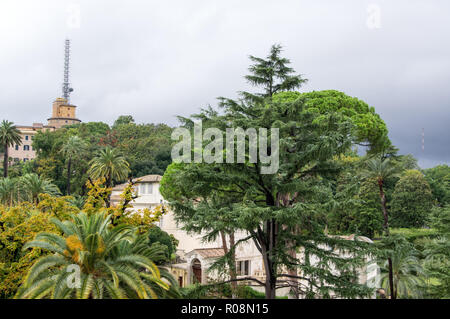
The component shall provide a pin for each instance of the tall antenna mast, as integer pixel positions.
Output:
(66, 85)
(423, 139)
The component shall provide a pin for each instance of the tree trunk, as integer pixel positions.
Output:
(386, 230)
(391, 280)
(270, 278)
(267, 250)
(5, 161)
(69, 164)
(232, 263)
(293, 282)
(284, 200)
(383, 207)
(108, 185)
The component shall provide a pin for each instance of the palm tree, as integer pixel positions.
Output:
(407, 269)
(8, 188)
(109, 164)
(9, 135)
(380, 169)
(113, 262)
(32, 185)
(74, 147)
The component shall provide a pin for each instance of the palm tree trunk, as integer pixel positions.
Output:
(383, 207)
(391, 280)
(108, 184)
(386, 230)
(5, 161)
(69, 164)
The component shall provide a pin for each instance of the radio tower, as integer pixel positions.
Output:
(423, 139)
(66, 85)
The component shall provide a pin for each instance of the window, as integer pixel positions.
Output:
(17, 147)
(243, 268)
(26, 137)
(26, 147)
(25, 159)
(145, 188)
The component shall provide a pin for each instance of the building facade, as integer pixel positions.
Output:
(25, 152)
(63, 113)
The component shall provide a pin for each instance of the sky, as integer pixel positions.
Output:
(155, 60)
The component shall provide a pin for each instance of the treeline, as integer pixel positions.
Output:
(145, 147)
(413, 195)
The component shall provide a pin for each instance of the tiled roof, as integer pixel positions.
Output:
(142, 179)
(210, 252)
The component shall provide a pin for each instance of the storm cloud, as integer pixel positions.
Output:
(158, 59)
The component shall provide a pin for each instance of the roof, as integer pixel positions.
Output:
(360, 238)
(209, 252)
(142, 179)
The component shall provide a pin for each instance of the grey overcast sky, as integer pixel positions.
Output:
(158, 59)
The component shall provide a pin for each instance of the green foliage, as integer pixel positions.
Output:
(123, 119)
(146, 147)
(109, 164)
(408, 273)
(380, 169)
(9, 136)
(273, 74)
(31, 186)
(439, 179)
(437, 252)
(412, 200)
(411, 234)
(368, 128)
(110, 260)
(156, 235)
(195, 291)
(357, 209)
(73, 150)
(18, 225)
(26, 188)
(368, 218)
(8, 190)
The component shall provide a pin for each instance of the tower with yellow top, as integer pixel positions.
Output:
(63, 113)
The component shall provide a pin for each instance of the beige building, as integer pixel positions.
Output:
(25, 152)
(194, 257)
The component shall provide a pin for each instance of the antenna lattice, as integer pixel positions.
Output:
(66, 85)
